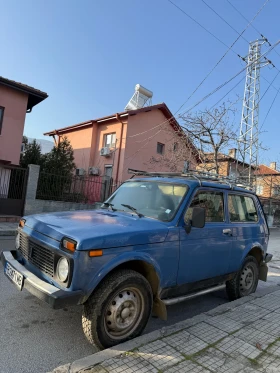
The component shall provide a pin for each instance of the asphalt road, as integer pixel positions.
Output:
(36, 339)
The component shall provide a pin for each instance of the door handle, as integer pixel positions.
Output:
(227, 231)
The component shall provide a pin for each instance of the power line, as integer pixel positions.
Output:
(229, 48)
(194, 20)
(223, 19)
(215, 66)
(270, 84)
(228, 81)
(241, 80)
(270, 108)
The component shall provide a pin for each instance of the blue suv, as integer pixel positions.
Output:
(158, 240)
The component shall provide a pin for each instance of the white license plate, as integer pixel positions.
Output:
(14, 275)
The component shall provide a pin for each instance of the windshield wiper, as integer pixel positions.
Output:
(133, 209)
(109, 205)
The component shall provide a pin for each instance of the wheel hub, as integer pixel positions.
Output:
(247, 279)
(123, 312)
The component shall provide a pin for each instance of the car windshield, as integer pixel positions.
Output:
(152, 199)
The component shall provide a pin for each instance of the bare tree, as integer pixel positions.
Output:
(179, 152)
(212, 131)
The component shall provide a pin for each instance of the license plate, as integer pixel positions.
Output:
(14, 275)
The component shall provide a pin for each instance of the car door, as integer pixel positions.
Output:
(247, 225)
(205, 252)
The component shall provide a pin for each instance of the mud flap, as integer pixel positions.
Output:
(263, 270)
(159, 309)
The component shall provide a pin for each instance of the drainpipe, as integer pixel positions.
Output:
(120, 147)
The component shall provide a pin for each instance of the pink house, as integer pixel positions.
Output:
(16, 99)
(146, 139)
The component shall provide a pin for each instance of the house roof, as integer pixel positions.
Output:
(162, 107)
(35, 96)
(224, 158)
(265, 170)
(123, 114)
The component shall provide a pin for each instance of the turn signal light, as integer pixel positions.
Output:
(69, 244)
(21, 223)
(93, 253)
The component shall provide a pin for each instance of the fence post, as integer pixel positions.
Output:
(105, 189)
(31, 188)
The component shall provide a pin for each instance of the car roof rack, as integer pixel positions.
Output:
(200, 176)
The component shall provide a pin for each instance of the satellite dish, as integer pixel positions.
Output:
(140, 98)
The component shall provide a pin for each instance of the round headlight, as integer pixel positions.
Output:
(62, 269)
(17, 241)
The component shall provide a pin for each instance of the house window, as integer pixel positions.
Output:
(108, 170)
(160, 148)
(276, 191)
(259, 189)
(1, 117)
(175, 146)
(110, 140)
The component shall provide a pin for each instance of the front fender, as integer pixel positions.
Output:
(117, 261)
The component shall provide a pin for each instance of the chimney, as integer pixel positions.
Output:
(232, 153)
(273, 165)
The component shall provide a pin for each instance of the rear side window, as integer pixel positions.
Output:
(213, 202)
(242, 209)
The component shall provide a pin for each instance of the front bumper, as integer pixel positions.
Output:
(50, 294)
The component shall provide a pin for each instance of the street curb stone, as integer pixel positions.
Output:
(90, 361)
(8, 232)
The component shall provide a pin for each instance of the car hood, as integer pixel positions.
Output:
(99, 228)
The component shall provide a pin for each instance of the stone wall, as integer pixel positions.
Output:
(38, 206)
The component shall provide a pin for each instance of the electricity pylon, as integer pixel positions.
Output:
(248, 141)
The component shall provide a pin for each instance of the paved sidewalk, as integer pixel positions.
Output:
(8, 229)
(240, 336)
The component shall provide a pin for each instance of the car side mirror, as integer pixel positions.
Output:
(197, 220)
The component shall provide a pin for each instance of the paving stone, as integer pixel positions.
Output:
(224, 323)
(272, 317)
(187, 367)
(267, 326)
(160, 354)
(247, 313)
(207, 332)
(97, 369)
(269, 363)
(234, 346)
(128, 364)
(185, 342)
(254, 336)
(275, 349)
(219, 362)
(269, 302)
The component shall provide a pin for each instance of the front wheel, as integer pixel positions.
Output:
(119, 309)
(245, 281)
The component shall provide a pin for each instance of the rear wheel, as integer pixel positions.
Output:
(245, 281)
(119, 309)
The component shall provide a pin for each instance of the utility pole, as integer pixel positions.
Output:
(248, 141)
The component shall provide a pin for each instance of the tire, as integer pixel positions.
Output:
(245, 281)
(118, 310)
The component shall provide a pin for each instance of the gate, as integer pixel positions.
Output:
(13, 182)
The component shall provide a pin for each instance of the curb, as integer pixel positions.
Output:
(8, 232)
(92, 360)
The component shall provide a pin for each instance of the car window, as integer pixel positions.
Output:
(213, 202)
(242, 209)
(153, 199)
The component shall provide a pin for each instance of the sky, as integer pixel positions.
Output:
(89, 54)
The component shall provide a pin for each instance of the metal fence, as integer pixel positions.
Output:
(12, 190)
(71, 188)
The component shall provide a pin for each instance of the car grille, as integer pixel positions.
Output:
(39, 256)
